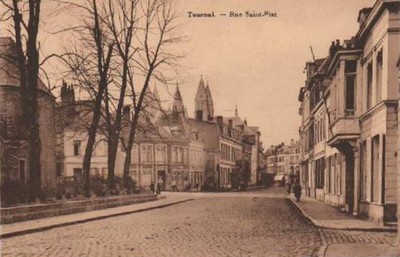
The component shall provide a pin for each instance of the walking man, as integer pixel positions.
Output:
(160, 183)
(297, 190)
(173, 185)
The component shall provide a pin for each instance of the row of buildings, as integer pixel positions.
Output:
(209, 151)
(282, 161)
(349, 109)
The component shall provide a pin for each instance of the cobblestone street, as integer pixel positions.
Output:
(262, 223)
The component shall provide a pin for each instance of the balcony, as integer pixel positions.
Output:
(344, 132)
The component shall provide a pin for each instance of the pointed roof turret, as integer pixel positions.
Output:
(177, 95)
(208, 92)
(201, 90)
(178, 106)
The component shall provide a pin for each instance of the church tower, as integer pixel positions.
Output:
(178, 107)
(210, 104)
(204, 108)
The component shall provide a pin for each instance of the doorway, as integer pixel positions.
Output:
(161, 173)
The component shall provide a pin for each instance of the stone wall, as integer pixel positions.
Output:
(37, 211)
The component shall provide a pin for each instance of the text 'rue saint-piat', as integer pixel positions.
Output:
(232, 14)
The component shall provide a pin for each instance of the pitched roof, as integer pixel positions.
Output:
(9, 73)
(207, 131)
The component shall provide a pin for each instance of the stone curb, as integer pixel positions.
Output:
(322, 251)
(63, 224)
(319, 225)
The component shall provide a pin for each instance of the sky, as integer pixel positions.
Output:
(255, 64)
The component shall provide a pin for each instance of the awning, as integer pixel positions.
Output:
(279, 177)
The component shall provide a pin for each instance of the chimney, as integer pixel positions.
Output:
(220, 121)
(332, 48)
(363, 15)
(68, 99)
(126, 113)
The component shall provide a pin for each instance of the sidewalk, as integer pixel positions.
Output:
(325, 216)
(31, 226)
(358, 250)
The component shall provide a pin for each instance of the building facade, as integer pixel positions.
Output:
(283, 160)
(164, 150)
(350, 160)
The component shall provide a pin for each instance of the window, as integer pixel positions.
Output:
(350, 70)
(379, 61)
(161, 154)
(135, 154)
(338, 174)
(320, 169)
(147, 154)
(350, 95)
(180, 154)
(375, 169)
(363, 175)
(369, 85)
(77, 148)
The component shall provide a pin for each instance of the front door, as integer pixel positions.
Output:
(350, 181)
(161, 173)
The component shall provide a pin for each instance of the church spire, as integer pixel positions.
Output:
(177, 106)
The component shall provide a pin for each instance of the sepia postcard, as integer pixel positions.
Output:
(199, 128)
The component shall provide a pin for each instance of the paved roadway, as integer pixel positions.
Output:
(262, 223)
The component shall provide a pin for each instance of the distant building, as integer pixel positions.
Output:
(232, 149)
(204, 106)
(283, 160)
(13, 140)
(214, 152)
(160, 150)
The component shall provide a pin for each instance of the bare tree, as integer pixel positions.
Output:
(121, 18)
(139, 35)
(25, 16)
(158, 35)
(89, 62)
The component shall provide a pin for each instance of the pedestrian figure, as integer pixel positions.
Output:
(185, 185)
(289, 187)
(152, 187)
(173, 185)
(297, 191)
(160, 183)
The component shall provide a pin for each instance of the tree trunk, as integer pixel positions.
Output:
(33, 75)
(135, 119)
(112, 155)
(90, 143)
(103, 68)
(128, 152)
